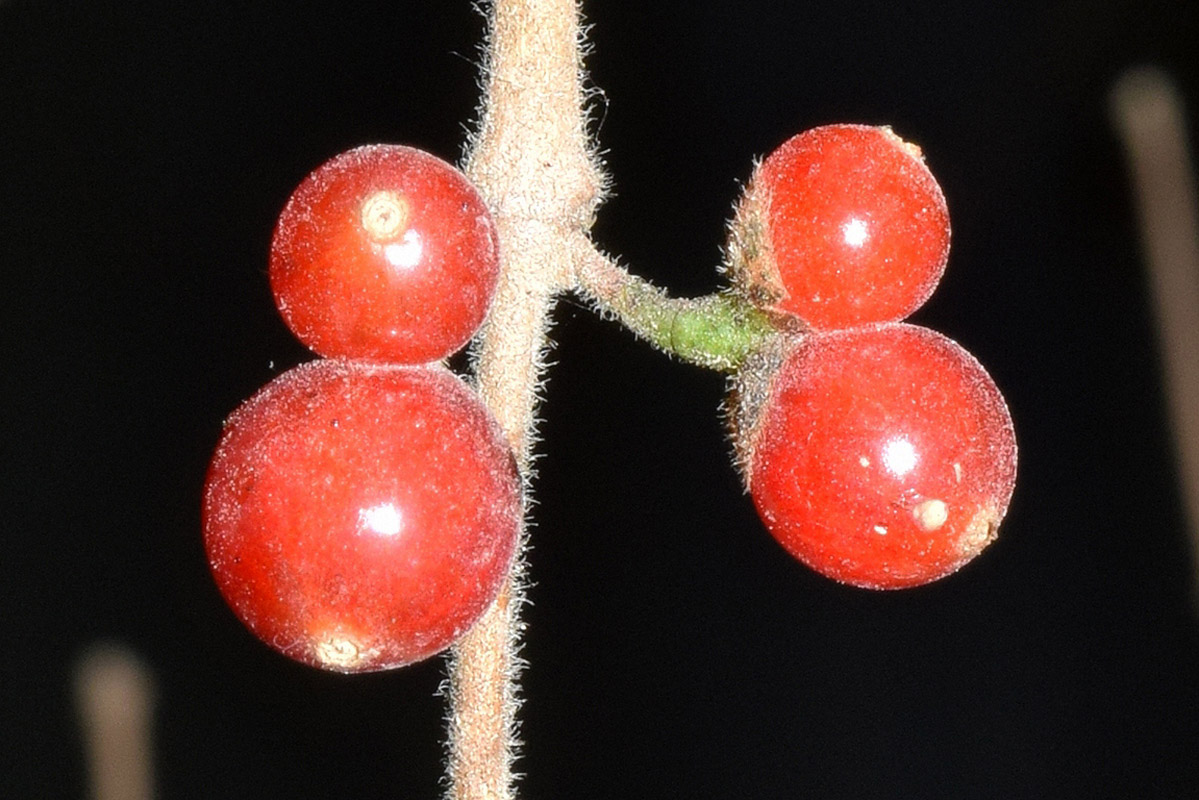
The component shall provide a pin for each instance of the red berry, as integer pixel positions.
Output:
(385, 253)
(842, 226)
(884, 456)
(360, 516)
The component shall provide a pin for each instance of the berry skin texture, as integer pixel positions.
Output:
(384, 253)
(883, 457)
(360, 517)
(842, 225)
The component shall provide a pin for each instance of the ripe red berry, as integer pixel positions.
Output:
(385, 253)
(841, 226)
(883, 456)
(359, 516)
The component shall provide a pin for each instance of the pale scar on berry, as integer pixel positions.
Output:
(931, 514)
(385, 216)
(341, 652)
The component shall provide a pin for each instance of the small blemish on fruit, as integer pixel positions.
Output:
(340, 652)
(957, 472)
(881, 530)
(385, 216)
(931, 514)
(981, 531)
(864, 461)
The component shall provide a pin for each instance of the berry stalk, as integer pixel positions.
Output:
(718, 331)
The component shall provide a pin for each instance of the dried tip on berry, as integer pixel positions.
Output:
(982, 529)
(339, 652)
(912, 148)
(385, 216)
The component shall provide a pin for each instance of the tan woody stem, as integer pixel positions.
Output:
(533, 160)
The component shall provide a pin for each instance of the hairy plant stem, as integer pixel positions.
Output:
(718, 331)
(533, 160)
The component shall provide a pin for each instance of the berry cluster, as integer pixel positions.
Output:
(879, 453)
(361, 511)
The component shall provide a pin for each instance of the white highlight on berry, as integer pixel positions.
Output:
(899, 457)
(384, 519)
(406, 253)
(855, 232)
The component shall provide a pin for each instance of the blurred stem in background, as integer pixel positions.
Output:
(1147, 112)
(114, 694)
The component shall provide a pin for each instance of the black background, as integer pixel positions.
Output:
(145, 150)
